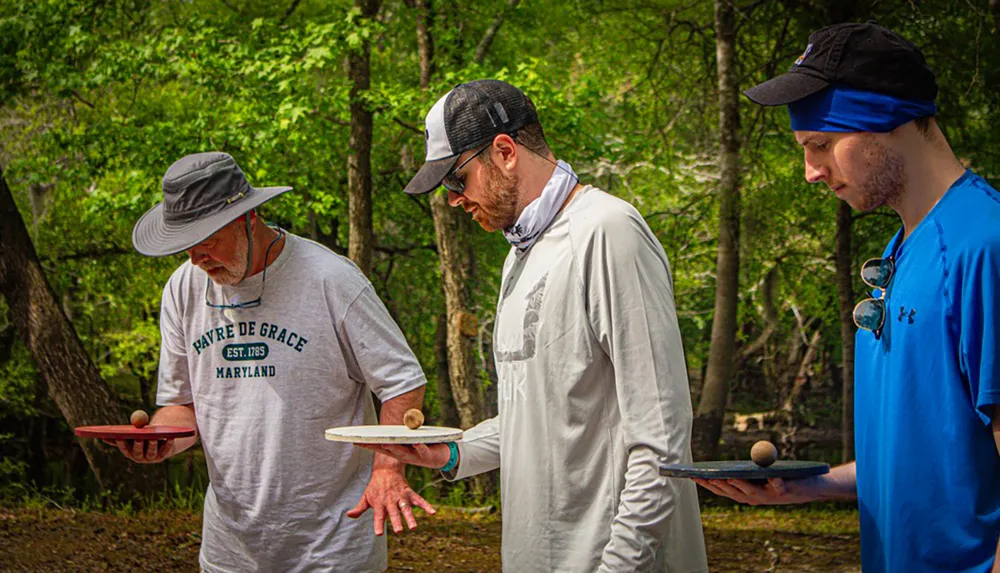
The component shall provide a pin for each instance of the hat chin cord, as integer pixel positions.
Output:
(249, 250)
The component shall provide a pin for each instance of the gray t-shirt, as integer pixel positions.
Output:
(265, 383)
(593, 398)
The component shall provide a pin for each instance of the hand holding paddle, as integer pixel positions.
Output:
(142, 451)
(433, 456)
(726, 480)
(139, 442)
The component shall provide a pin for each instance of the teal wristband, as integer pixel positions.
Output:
(452, 459)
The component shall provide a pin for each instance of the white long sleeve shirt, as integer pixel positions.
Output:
(593, 398)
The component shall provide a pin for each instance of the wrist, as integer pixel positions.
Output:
(451, 463)
(384, 462)
(822, 488)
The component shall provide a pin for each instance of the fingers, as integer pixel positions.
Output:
(400, 452)
(778, 485)
(137, 449)
(724, 488)
(379, 520)
(359, 509)
(707, 484)
(385, 450)
(394, 517)
(144, 451)
(422, 503)
(773, 493)
(425, 456)
(407, 511)
(125, 448)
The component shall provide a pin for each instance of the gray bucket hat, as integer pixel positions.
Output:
(201, 194)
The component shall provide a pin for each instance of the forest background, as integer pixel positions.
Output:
(99, 97)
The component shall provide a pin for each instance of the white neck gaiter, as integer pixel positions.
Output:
(538, 215)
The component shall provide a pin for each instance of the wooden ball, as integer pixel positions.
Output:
(763, 453)
(413, 418)
(139, 419)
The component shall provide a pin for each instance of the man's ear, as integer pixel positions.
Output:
(506, 150)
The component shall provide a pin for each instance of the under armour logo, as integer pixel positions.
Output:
(902, 313)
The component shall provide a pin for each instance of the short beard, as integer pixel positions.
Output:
(233, 273)
(499, 207)
(886, 180)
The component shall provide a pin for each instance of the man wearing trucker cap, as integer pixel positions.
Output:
(593, 391)
(927, 378)
(267, 340)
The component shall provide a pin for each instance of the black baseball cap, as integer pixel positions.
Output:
(468, 116)
(862, 56)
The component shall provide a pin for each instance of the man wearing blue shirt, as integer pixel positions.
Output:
(927, 380)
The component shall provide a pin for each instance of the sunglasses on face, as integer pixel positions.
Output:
(869, 314)
(452, 182)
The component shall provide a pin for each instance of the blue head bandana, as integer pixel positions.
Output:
(841, 108)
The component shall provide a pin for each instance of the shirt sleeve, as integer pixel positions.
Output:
(375, 349)
(978, 312)
(631, 312)
(478, 450)
(173, 387)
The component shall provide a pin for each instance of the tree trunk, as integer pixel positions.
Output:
(845, 298)
(425, 42)
(846, 11)
(359, 169)
(446, 405)
(802, 376)
(72, 381)
(722, 352)
(451, 231)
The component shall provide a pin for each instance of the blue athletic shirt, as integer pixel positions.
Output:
(927, 466)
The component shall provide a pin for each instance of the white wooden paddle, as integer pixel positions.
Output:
(393, 435)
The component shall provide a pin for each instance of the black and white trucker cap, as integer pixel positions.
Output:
(468, 116)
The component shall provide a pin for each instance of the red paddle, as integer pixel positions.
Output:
(128, 432)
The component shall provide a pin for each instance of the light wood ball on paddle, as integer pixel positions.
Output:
(139, 419)
(413, 418)
(763, 453)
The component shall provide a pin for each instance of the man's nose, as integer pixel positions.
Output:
(197, 254)
(814, 173)
(454, 199)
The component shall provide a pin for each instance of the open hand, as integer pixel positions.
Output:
(389, 494)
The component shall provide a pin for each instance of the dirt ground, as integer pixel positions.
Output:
(748, 540)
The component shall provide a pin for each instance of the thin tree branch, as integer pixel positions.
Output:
(112, 252)
(79, 97)
(409, 126)
(291, 8)
(231, 7)
(491, 32)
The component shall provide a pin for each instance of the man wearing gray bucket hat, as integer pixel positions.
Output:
(267, 340)
(593, 390)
